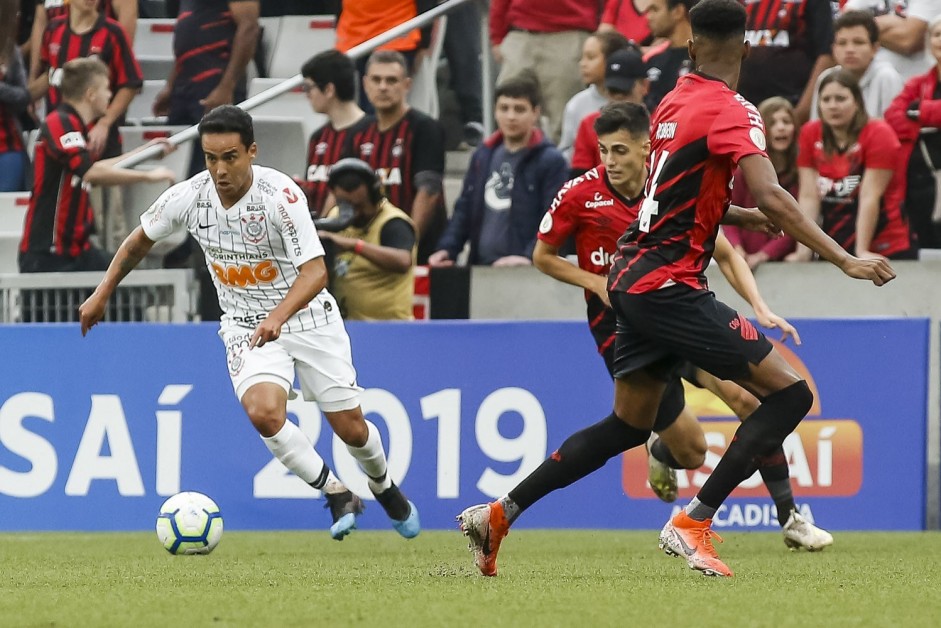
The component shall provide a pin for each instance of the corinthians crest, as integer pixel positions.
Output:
(254, 228)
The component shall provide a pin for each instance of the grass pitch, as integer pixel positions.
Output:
(547, 578)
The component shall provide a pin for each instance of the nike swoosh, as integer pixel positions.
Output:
(689, 551)
(204, 226)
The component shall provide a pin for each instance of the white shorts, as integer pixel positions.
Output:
(321, 358)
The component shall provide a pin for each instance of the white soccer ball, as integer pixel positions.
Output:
(189, 523)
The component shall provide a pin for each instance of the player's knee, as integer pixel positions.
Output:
(692, 455)
(795, 402)
(742, 402)
(350, 427)
(267, 417)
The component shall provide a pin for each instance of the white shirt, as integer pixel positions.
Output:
(924, 10)
(252, 248)
(580, 105)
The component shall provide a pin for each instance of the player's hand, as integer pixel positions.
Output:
(219, 96)
(861, 254)
(164, 143)
(266, 331)
(97, 138)
(439, 259)
(599, 286)
(91, 312)
(878, 271)
(161, 173)
(753, 220)
(161, 106)
(497, 53)
(512, 260)
(767, 318)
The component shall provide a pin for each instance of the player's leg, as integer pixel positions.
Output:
(326, 375)
(262, 380)
(798, 532)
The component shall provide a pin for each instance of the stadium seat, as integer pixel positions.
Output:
(270, 26)
(299, 38)
(155, 67)
(9, 246)
(281, 144)
(140, 110)
(293, 104)
(424, 93)
(13, 207)
(154, 38)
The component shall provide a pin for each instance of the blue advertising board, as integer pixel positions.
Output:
(95, 433)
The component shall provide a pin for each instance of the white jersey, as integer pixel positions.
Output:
(252, 248)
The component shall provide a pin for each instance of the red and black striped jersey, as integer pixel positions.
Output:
(698, 134)
(106, 40)
(412, 145)
(327, 146)
(58, 8)
(60, 217)
(13, 74)
(786, 38)
(839, 179)
(202, 44)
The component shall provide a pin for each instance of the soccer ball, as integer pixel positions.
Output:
(189, 523)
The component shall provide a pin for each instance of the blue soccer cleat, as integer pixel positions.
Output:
(344, 507)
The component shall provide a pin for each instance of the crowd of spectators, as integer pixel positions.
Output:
(848, 91)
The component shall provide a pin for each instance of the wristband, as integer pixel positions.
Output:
(358, 247)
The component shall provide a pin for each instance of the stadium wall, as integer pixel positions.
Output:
(96, 432)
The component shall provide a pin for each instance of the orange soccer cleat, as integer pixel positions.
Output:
(485, 525)
(692, 540)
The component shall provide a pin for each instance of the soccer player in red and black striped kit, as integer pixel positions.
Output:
(60, 217)
(83, 31)
(406, 148)
(666, 316)
(330, 84)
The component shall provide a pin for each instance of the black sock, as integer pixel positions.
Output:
(661, 452)
(581, 454)
(777, 478)
(760, 434)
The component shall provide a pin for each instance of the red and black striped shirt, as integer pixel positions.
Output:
(58, 8)
(202, 44)
(412, 145)
(60, 217)
(13, 74)
(327, 146)
(698, 134)
(106, 40)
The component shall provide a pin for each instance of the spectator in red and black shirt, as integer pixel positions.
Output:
(85, 32)
(406, 147)
(213, 41)
(60, 217)
(330, 83)
(790, 47)
(14, 98)
(849, 170)
(123, 11)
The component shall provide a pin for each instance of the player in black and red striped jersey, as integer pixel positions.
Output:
(667, 316)
(595, 209)
(59, 219)
(84, 32)
(406, 148)
(330, 84)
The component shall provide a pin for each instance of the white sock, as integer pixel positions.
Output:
(372, 460)
(296, 452)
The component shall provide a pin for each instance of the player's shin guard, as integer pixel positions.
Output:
(582, 453)
(372, 459)
(296, 452)
(759, 435)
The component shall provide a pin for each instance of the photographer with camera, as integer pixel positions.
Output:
(375, 246)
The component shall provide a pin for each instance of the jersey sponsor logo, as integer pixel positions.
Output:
(290, 195)
(321, 148)
(769, 37)
(203, 204)
(289, 229)
(318, 174)
(266, 187)
(666, 131)
(73, 139)
(838, 188)
(244, 275)
(230, 256)
(366, 149)
(254, 228)
(545, 226)
(599, 201)
(600, 257)
(390, 176)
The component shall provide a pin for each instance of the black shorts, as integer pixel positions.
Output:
(661, 330)
(603, 328)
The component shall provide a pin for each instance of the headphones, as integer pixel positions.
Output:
(362, 170)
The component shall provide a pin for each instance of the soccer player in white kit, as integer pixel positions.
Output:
(267, 263)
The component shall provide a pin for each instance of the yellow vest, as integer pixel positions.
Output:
(364, 291)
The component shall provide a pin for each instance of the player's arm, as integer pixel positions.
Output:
(750, 219)
(245, 15)
(134, 248)
(776, 203)
(741, 278)
(311, 279)
(873, 187)
(126, 12)
(546, 259)
(810, 205)
(428, 177)
(40, 21)
(394, 251)
(904, 35)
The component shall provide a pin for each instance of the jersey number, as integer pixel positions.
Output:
(651, 206)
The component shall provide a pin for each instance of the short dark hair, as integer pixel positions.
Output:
(628, 116)
(332, 67)
(78, 74)
(388, 56)
(610, 41)
(689, 4)
(228, 119)
(718, 19)
(523, 85)
(851, 19)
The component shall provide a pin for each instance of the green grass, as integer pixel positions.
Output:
(547, 578)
